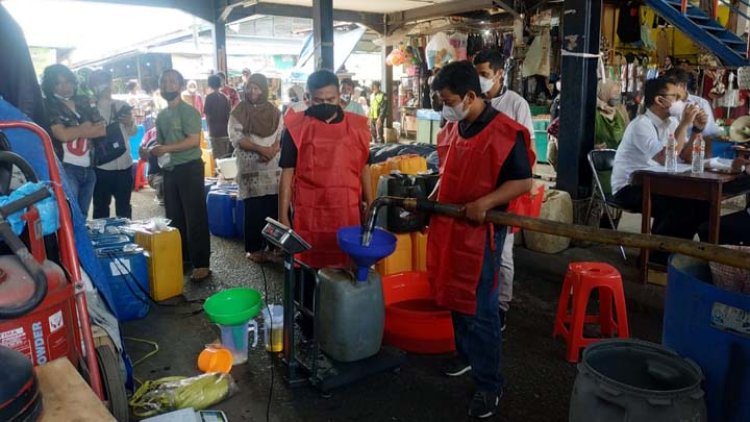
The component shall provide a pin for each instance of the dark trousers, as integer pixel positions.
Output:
(185, 205)
(674, 217)
(377, 134)
(117, 184)
(478, 336)
(256, 211)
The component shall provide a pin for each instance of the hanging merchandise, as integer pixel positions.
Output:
(439, 51)
(629, 23)
(508, 45)
(662, 47)
(459, 42)
(731, 98)
(743, 78)
(537, 57)
(474, 44)
(397, 57)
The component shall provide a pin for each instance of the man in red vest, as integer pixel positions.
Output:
(485, 163)
(325, 172)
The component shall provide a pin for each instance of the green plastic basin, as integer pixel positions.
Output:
(233, 306)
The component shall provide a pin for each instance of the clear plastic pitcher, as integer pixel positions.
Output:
(273, 328)
(236, 339)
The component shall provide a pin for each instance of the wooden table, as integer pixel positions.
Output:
(66, 396)
(707, 186)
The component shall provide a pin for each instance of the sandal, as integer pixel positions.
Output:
(200, 274)
(256, 257)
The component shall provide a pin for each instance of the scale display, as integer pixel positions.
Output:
(284, 238)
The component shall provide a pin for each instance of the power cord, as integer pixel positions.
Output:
(270, 339)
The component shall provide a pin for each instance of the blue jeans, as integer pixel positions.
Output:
(81, 181)
(478, 337)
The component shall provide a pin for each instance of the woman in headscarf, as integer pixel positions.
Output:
(611, 116)
(255, 127)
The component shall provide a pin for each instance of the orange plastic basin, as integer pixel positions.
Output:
(413, 322)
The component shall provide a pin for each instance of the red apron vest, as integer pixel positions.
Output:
(469, 169)
(327, 183)
(523, 205)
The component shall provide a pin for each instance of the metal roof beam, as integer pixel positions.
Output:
(241, 11)
(203, 9)
(398, 19)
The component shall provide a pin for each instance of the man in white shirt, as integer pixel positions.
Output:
(643, 147)
(491, 68)
(682, 78)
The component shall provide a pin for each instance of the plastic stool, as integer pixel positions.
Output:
(581, 279)
(140, 176)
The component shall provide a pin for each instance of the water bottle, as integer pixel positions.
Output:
(670, 160)
(699, 152)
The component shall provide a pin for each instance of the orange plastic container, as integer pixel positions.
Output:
(209, 166)
(419, 251)
(407, 164)
(400, 260)
(413, 322)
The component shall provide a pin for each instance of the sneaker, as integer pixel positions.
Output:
(484, 404)
(501, 313)
(456, 367)
(200, 274)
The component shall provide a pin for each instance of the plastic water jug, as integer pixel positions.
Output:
(236, 339)
(273, 328)
(351, 315)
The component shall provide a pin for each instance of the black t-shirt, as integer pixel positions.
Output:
(516, 165)
(288, 159)
(217, 109)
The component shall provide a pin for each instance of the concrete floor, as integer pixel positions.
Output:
(539, 380)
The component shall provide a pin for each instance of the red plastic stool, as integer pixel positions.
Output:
(140, 176)
(581, 279)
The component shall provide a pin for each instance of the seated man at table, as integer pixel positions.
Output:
(643, 147)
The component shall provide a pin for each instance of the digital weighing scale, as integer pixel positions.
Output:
(305, 362)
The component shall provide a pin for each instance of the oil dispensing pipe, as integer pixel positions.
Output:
(701, 250)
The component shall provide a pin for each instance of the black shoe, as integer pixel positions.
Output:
(456, 367)
(501, 313)
(484, 404)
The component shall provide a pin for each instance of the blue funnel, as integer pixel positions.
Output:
(350, 241)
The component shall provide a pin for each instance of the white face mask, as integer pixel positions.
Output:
(677, 108)
(455, 113)
(486, 84)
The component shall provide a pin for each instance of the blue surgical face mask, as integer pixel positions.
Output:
(455, 113)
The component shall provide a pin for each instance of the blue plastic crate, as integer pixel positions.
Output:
(711, 326)
(126, 269)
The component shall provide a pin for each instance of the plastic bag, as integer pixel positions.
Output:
(48, 212)
(396, 57)
(439, 51)
(173, 393)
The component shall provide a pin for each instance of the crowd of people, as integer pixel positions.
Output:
(308, 167)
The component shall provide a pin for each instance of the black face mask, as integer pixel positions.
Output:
(323, 111)
(169, 96)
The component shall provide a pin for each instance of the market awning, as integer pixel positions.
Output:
(344, 43)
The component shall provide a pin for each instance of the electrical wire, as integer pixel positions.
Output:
(270, 339)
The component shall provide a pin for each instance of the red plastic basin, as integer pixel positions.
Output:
(413, 322)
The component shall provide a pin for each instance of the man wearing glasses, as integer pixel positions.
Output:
(644, 146)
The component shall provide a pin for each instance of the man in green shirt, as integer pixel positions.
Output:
(377, 112)
(178, 149)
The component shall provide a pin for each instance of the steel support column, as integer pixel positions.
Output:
(387, 87)
(323, 34)
(219, 35)
(581, 31)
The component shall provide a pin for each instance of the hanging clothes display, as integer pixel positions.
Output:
(629, 22)
(459, 42)
(537, 60)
